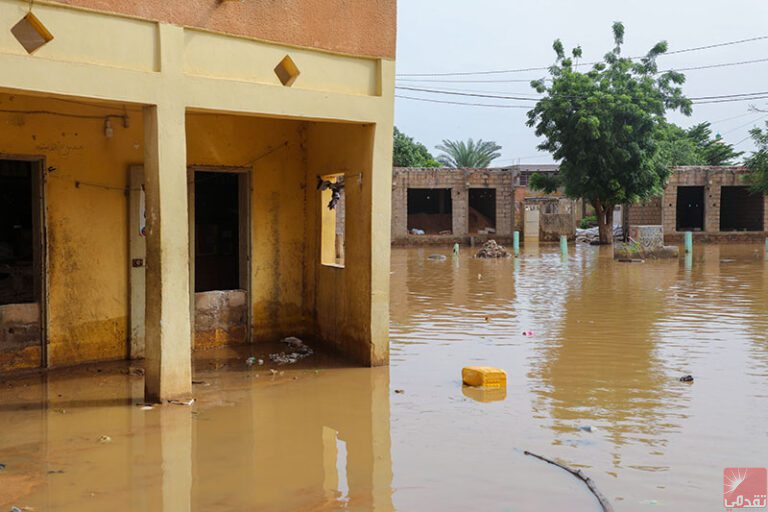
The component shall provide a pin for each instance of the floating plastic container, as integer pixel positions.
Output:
(484, 377)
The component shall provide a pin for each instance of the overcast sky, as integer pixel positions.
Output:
(445, 36)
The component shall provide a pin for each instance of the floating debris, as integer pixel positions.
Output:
(528, 333)
(492, 250)
(588, 428)
(437, 257)
(200, 383)
(182, 402)
(135, 371)
(686, 378)
(105, 439)
(299, 352)
(400, 391)
(2, 467)
(273, 371)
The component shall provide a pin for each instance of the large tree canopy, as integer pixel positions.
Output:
(409, 153)
(758, 161)
(468, 155)
(602, 126)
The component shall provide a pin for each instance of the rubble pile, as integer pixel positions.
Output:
(492, 250)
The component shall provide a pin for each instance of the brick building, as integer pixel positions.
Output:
(715, 203)
(452, 205)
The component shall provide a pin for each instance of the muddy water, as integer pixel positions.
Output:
(609, 342)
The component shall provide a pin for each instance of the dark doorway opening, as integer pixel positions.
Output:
(690, 208)
(18, 232)
(217, 231)
(430, 211)
(482, 210)
(740, 209)
(21, 268)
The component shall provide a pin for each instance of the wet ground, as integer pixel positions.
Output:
(608, 344)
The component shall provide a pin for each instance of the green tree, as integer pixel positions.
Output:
(602, 126)
(468, 155)
(713, 150)
(409, 153)
(758, 161)
(694, 146)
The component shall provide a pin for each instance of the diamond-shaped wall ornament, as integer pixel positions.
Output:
(287, 71)
(31, 33)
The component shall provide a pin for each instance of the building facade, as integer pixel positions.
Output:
(158, 172)
(714, 203)
(452, 205)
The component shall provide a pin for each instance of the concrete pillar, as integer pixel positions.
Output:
(168, 328)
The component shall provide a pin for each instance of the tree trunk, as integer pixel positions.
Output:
(604, 221)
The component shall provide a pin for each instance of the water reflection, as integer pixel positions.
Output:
(298, 441)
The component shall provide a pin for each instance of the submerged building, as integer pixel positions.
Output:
(439, 206)
(158, 172)
(714, 203)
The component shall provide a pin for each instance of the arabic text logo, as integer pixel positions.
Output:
(745, 488)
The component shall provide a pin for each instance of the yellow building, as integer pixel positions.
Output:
(158, 172)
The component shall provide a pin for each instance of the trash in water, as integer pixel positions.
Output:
(687, 378)
(487, 319)
(60, 411)
(250, 361)
(56, 472)
(437, 257)
(300, 351)
(588, 428)
(182, 402)
(273, 371)
(400, 391)
(2, 467)
(417, 231)
(527, 333)
(200, 383)
(146, 407)
(105, 439)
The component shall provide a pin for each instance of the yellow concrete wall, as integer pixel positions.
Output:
(342, 295)
(272, 148)
(87, 226)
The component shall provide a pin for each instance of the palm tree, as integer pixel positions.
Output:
(470, 154)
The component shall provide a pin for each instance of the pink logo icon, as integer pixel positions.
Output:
(745, 488)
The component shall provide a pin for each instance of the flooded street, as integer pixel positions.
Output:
(596, 386)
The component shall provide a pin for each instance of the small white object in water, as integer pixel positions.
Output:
(588, 428)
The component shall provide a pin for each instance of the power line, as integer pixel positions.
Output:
(427, 100)
(692, 68)
(752, 122)
(522, 70)
(723, 65)
(749, 96)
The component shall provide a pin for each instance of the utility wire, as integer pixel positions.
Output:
(749, 96)
(426, 100)
(522, 70)
(752, 122)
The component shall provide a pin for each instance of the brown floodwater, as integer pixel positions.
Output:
(595, 385)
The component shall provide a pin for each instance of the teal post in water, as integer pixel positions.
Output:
(456, 249)
(688, 242)
(564, 245)
(516, 243)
